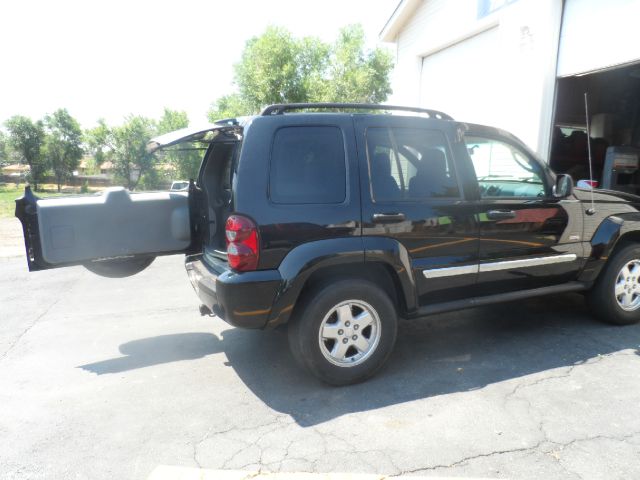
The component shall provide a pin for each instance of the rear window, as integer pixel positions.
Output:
(308, 166)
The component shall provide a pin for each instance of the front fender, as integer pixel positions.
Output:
(607, 236)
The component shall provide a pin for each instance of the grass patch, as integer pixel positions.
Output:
(9, 192)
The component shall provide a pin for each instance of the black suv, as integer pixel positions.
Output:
(338, 220)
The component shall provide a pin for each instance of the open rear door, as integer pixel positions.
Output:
(118, 233)
(115, 227)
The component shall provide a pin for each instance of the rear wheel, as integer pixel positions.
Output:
(344, 332)
(615, 298)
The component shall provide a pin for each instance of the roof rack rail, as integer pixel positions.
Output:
(227, 121)
(280, 108)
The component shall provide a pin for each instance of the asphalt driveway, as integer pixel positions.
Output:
(105, 379)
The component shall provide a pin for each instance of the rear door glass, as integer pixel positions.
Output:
(409, 164)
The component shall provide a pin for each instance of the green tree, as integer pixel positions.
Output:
(63, 144)
(172, 120)
(357, 75)
(130, 157)
(4, 148)
(184, 160)
(228, 106)
(278, 68)
(98, 142)
(26, 138)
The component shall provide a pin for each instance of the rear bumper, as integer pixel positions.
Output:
(240, 299)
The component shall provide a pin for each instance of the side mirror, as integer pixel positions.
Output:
(563, 187)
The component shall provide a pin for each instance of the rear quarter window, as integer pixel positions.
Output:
(308, 166)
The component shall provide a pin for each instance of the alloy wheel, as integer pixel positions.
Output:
(627, 286)
(349, 333)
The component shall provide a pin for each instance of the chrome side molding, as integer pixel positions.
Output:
(527, 262)
(450, 271)
(496, 266)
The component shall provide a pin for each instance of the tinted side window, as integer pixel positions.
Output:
(503, 170)
(308, 166)
(409, 164)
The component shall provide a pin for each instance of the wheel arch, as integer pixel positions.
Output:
(314, 263)
(613, 233)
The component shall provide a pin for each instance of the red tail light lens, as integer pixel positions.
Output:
(242, 243)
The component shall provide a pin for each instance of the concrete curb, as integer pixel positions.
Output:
(167, 472)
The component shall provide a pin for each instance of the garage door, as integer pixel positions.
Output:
(462, 79)
(597, 34)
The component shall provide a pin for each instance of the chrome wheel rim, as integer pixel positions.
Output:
(627, 287)
(349, 333)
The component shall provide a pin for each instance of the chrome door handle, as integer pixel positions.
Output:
(500, 214)
(388, 217)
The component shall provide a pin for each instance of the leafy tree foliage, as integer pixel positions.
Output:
(4, 148)
(130, 157)
(278, 68)
(97, 141)
(357, 75)
(184, 160)
(27, 139)
(125, 146)
(172, 120)
(57, 145)
(228, 106)
(63, 144)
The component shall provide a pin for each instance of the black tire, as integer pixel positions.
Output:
(120, 267)
(309, 318)
(602, 299)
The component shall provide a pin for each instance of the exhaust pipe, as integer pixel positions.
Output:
(205, 311)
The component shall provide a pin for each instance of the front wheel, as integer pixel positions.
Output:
(615, 298)
(344, 332)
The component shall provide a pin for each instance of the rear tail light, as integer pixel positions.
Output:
(242, 243)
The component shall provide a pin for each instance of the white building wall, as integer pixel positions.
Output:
(515, 86)
(598, 34)
(431, 25)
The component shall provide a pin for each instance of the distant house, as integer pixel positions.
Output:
(106, 168)
(15, 170)
(84, 165)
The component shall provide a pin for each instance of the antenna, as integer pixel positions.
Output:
(591, 210)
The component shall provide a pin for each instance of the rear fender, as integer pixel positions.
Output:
(303, 261)
(392, 253)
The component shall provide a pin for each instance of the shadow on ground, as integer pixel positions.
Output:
(456, 352)
(147, 352)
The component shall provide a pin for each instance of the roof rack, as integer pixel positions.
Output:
(227, 121)
(280, 108)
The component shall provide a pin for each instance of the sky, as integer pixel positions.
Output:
(111, 58)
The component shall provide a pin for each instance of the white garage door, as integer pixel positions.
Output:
(464, 80)
(597, 34)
